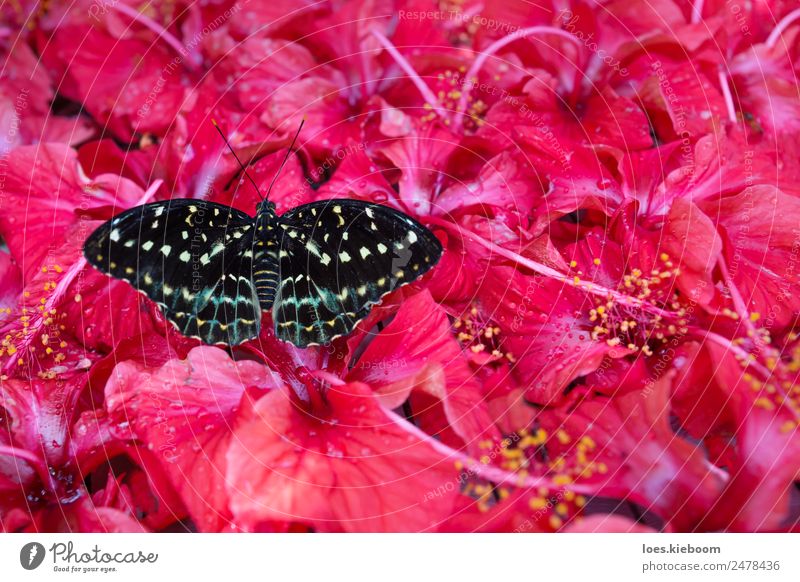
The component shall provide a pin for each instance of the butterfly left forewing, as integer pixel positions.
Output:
(339, 258)
(193, 258)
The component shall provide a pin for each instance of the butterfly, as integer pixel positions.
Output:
(213, 270)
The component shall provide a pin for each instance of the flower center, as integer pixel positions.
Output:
(35, 335)
(619, 324)
(480, 336)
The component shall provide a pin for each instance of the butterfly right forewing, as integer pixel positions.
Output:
(338, 258)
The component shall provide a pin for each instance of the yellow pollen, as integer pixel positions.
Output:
(537, 503)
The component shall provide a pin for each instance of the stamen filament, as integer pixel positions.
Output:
(148, 22)
(738, 301)
(150, 192)
(491, 473)
(481, 59)
(52, 301)
(724, 342)
(785, 22)
(726, 94)
(423, 88)
(697, 11)
(588, 286)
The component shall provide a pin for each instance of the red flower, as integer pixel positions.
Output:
(751, 433)
(44, 460)
(184, 411)
(351, 465)
(127, 99)
(338, 461)
(416, 358)
(760, 236)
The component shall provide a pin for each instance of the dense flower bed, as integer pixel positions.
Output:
(609, 341)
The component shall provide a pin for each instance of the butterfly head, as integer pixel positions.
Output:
(264, 208)
(265, 216)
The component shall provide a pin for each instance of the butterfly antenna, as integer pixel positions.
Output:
(286, 157)
(244, 168)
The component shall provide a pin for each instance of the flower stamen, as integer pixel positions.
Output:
(785, 22)
(484, 55)
(421, 86)
(587, 286)
(726, 94)
(160, 31)
(697, 11)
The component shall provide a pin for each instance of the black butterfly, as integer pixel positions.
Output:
(212, 269)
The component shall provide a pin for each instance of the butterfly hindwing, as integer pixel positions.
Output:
(193, 258)
(338, 258)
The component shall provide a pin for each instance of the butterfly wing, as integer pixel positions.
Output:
(193, 258)
(338, 258)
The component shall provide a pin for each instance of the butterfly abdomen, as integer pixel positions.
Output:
(265, 276)
(265, 255)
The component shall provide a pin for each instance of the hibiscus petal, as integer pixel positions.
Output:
(417, 351)
(185, 412)
(351, 468)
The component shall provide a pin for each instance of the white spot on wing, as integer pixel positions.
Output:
(312, 248)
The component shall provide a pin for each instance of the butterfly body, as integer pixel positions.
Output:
(213, 270)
